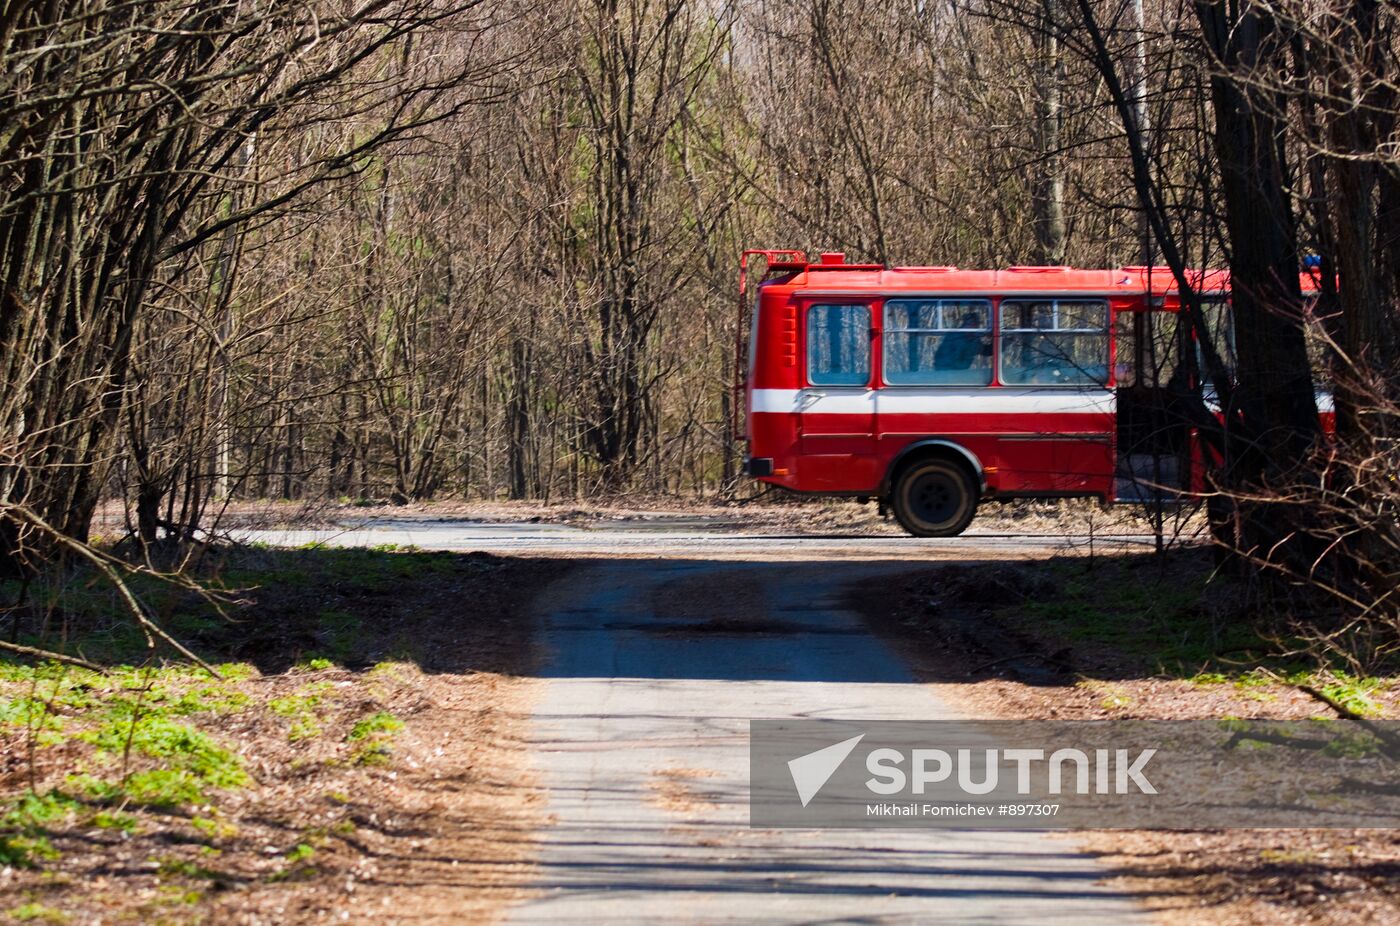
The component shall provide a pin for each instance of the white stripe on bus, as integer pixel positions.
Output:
(1326, 405)
(848, 400)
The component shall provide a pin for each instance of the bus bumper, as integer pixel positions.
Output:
(758, 466)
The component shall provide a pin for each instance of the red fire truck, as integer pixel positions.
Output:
(932, 388)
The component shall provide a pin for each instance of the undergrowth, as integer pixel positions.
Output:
(1164, 617)
(194, 783)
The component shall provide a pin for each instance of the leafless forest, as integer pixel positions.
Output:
(405, 249)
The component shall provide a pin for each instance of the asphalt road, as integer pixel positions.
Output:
(654, 669)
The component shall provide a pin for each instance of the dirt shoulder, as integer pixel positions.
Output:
(1142, 637)
(360, 760)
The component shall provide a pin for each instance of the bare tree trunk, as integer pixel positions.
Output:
(1048, 188)
(518, 420)
(1275, 389)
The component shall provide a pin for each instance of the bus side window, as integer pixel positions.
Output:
(1125, 350)
(1054, 342)
(838, 345)
(938, 342)
(1220, 323)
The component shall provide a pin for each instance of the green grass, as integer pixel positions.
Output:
(297, 867)
(1355, 694)
(1249, 684)
(112, 820)
(37, 913)
(210, 699)
(211, 828)
(375, 724)
(299, 853)
(25, 827)
(191, 768)
(1112, 697)
(36, 715)
(174, 867)
(372, 737)
(141, 749)
(341, 633)
(1156, 618)
(301, 709)
(178, 745)
(310, 605)
(1157, 623)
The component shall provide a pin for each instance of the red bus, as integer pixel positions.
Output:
(933, 388)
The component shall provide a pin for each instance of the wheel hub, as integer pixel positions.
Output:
(935, 498)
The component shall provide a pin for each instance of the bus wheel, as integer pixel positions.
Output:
(934, 498)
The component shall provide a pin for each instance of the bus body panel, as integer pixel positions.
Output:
(1052, 455)
(1022, 441)
(843, 439)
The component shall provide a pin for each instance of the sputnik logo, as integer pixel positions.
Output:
(812, 771)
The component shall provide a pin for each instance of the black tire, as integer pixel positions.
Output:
(934, 498)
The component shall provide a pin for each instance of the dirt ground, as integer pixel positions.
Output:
(1054, 640)
(380, 782)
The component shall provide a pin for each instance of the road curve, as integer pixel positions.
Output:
(684, 538)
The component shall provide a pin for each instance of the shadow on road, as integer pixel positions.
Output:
(1043, 622)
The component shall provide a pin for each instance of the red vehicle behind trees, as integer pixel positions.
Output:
(932, 388)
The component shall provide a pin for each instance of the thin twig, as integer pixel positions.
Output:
(150, 628)
(1390, 740)
(37, 653)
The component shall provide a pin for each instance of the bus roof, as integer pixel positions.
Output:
(832, 275)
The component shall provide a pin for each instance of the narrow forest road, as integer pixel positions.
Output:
(652, 670)
(657, 651)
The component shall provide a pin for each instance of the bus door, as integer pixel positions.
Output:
(836, 405)
(1151, 377)
(1055, 356)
